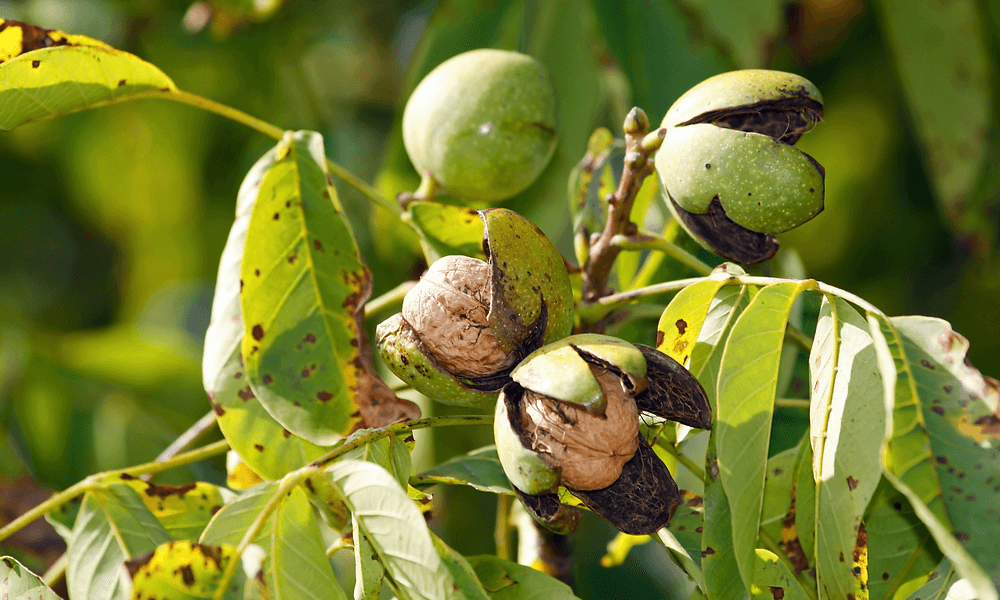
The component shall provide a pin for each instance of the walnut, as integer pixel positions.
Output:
(448, 310)
(590, 449)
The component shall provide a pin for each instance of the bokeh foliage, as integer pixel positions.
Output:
(112, 221)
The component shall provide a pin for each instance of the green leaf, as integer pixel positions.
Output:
(941, 452)
(778, 483)
(267, 448)
(847, 417)
(391, 453)
(686, 526)
(680, 325)
(951, 110)
(184, 571)
(112, 527)
(900, 548)
(770, 576)
(747, 380)
(480, 469)
(394, 528)
(18, 583)
(468, 586)
(74, 74)
(368, 571)
(654, 46)
(939, 583)
(504, 580)
(183, 511)
(718, 562)
(447, 229)
(303, 283)
(299, 566)
(799, 535)
(762, 24)
(232, 521)
(894, 360)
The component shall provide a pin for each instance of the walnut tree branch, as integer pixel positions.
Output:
(640, 146)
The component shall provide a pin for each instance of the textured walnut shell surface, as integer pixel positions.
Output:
(590, 449)
(449, 309)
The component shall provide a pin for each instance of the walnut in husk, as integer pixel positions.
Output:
(468, 323)
(728, 168)
(570, 417)
(449, 308)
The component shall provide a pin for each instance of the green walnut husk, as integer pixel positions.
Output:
(482, 124)
(728, 165)
(468, 323)
(570, 417)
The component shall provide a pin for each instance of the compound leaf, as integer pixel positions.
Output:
(747, 380)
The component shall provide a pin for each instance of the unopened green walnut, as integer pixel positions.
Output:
(482, 124)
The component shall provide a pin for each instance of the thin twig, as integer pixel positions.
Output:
(189, 437)
(639, 149)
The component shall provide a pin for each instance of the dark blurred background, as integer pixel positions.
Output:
(112, 221)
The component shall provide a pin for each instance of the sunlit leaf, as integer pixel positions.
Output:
(183, 511)
(184, 571)
(952, 111)
(232, 521)
(299, 567)
(619, 547)
(480, 469)
(45, 73)
(18, 583)
(925, 355)
(394, 528)
(265, 446)
(448, 229)
(939, 581)
(504, 580)
(304, 287)
(747, 380)
(681, 323)
(391, 453)
(847, 427)
(112, 527)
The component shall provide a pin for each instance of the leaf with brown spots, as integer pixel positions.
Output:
(45, 73)
(681, 322)
(241, 416)
(113, 526)
(930, 424)
(183, 511)
(184, 571)
(18, 582)
(847, 417)
(772, 575)
(952, 112)
(322, 294)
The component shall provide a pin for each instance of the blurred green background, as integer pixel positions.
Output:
(112, 221)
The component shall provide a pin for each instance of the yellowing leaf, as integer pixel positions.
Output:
(44, 73)
(183, 571)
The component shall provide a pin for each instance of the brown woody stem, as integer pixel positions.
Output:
(640, 146)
